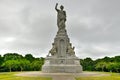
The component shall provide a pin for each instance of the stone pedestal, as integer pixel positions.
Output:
(62, 65)
(62, 58)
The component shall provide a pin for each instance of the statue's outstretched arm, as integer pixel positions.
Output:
(56, 7)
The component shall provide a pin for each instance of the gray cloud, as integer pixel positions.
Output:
(29, 26)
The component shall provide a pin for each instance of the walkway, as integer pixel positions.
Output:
(61, 76)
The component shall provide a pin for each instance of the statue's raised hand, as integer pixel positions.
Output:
(56, 3)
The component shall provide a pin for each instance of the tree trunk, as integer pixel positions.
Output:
(21, 69)
(10, 69)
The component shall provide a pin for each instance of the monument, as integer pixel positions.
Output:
(61, 58)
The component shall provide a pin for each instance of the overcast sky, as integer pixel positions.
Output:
(29, 26)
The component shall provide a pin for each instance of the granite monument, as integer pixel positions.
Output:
(61, 57)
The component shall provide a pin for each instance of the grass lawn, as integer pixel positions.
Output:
(113, 76)
(11, 76)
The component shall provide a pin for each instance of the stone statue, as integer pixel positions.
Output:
(70, 50)
(61, 17)
(53, 50)
(62, 57)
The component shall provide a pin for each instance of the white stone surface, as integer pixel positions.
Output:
(62, 58)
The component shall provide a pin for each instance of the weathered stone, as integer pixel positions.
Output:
(62, 58)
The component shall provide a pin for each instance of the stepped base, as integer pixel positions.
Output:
(61, 68)
(62, 65)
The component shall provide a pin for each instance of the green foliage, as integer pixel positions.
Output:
(15, 62)
(24, 64)
(16, 65)
(106, 64)
(113, 66)
(101, 66)
(88, 64)
(117, 59)
(36, 65)
(8, 64)
(12, 56)
(1, 60)
(29, 57)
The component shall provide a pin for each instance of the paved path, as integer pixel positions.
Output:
(61, 76)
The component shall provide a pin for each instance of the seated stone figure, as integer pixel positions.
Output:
(53, 50)
(70, 50)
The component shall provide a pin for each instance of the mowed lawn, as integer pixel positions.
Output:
(113, 76)
(11, 76)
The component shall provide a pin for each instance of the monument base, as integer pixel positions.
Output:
(62, 65)
(62, 69)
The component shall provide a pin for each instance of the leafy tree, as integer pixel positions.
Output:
(36, 65)
(16, 65)
(9, 64)
(29, 57)
(113, 67)
(117, 59)
(88, 64)
(24, 64)
(1, 60)
(101, 66)
(106, 59)
(12, 56)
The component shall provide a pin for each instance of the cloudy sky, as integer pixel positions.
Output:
(29, 26)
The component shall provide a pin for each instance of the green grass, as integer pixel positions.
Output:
(113, 76)
(11, 76)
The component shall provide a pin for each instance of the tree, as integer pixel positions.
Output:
(36, 65)
(1, 60)
(16, 65)
(113, 67)
(117, 59)
(12, 56)
(101, 66)
(88, 64)
(106, 59)
(29, 57)
(24, 64)
(9, 64)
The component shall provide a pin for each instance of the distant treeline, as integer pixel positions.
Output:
(16, 62)
(105, 64)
